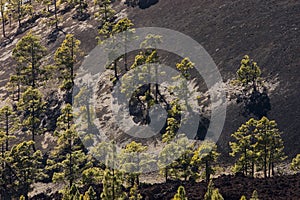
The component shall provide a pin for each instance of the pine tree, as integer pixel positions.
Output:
(90, 194)
(19, 10)
(180, 195)
(65, 58)
(105, 11)
(258, 143)
(112, 178)
(112, 185)
(16, 83)
(92, 175)
(204, 157)
(182, 167)
(209, 192)
(269, 145)
(33, 106)
(107, 31)
(181, 89)
(56, 19)
(82, 101)
(254, 196)
(165, 159)
(8, 124)
(243, 198)
(53, 20)
(142, 67)
(173, 156)
(295, 165)
(134, 193)
(68, 159)
(173, 121)
(26, 165)
(150, 51)
(244, 147)
(142, 73)
(133, 162)
(128, 79)
(71, 193)
(212, 193)
(123, 25)
(29, 53)
(249, 72)
(216, 195)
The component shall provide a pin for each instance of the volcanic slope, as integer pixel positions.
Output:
(268, 31)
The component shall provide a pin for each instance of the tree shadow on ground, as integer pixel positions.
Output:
(143, 4)
(257, 104)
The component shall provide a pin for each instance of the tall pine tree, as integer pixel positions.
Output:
(33, 107)
(29, 53)
(66, 57)
(68, 160)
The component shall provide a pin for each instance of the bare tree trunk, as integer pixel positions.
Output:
(55, 14)
(3, 18)
(265, 161)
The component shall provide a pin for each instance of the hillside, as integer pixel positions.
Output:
(266, 30)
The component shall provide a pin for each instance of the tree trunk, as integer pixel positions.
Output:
(9, 17)
(270, 165)
(105, 13)
(125, 53)
(80, 6)
(19, 15)
(156, 84)
(70, 164)
(55, 14)
(273, 171)
(252, 168)
(69, 92)
(2, 150)
(7, 130)
(207, 171)
(166, 174)
(2, 17)
(245, 162)
(33, 66)
(33, 127)
(265, 161)
(19, 90)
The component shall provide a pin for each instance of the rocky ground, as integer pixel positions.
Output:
(231, 187)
